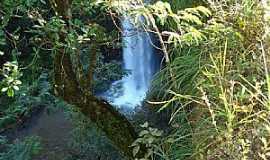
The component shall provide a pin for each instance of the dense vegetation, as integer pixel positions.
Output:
(213, 88)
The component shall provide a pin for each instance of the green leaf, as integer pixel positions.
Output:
(16, 88)
(170, 140)
(17, 82)
(145, 125)
(10, 92)
(157, 133)
(191, 18)
(150, 140)
(134, 144)
(10, 79)
(144, 132)
(43, 2)
(4, 89)
(135, 150)
(204, 11)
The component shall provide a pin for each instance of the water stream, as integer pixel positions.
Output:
(140, 60)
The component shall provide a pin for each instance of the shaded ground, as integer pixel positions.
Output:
(53, 129)
(65, 137)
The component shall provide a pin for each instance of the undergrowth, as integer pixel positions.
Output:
(25, 149)
(217, 89)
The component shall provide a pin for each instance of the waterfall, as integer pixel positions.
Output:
(141, 61)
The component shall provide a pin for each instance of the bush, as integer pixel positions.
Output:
(220, 87)
(20, 150)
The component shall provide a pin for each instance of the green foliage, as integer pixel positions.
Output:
(44, 36)
(182, 4)
(86, 138)
(20, 8)
(79, 44)
(149, 139)
(20, 150)
(27, 99)
(182, 27)
(2, 41)
(90, 8)
(219, 84)
(9, 11)
(10, 78)
(105, 73)
(214, 82)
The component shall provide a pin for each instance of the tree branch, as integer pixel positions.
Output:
(115, 126)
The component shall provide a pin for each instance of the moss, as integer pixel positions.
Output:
(115, 126)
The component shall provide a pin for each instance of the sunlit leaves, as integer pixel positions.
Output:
(174, 38)
(199, 11)
(162, 10)
(193, 36)
(149, 137)
(10, 82)
(187, 21)
(190, 18)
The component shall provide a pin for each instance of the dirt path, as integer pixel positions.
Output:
(54, 131)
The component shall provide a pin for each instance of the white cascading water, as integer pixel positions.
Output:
(140, 60)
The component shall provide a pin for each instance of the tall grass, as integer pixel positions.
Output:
(220, 93)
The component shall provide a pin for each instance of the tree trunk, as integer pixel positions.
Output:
(115, 126)
(91, 69)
